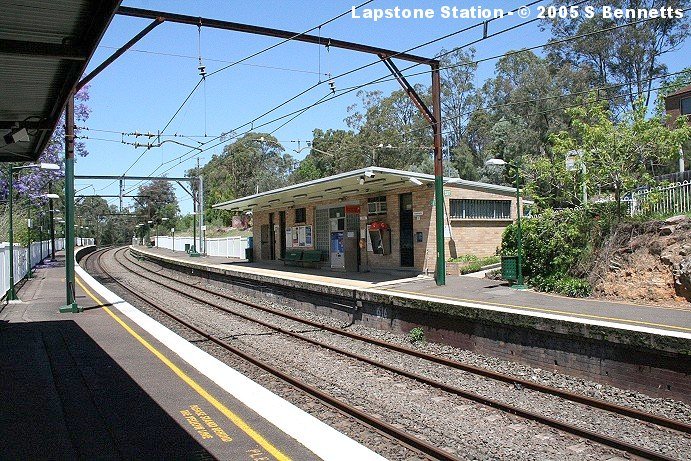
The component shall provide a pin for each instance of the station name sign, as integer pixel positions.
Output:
(540, 12)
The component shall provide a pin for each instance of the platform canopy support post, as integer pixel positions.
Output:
(71, 304)
(440, 273)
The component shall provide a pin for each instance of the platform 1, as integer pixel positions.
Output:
(111, 383)
(477, 292)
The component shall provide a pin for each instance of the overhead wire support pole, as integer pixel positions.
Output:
(71, 302)
(119, 52)
(440, 273)
(434, 118)
(266, 31)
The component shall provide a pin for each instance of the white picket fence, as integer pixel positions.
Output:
(21, 254)
(672, 198)
(227, 247)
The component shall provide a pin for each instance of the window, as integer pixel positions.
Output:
(480, 209)
(686, 106)
(376, 205)
(300, 215)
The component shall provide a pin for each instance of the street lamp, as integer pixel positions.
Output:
(519, 238)
(11, 294)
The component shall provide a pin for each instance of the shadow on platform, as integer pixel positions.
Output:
(64, 397)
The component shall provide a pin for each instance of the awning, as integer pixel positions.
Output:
(45, 46)
(365, 181)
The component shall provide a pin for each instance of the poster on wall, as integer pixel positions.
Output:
(295, 237)
(289, 237)
(308, 236)
(301, 236)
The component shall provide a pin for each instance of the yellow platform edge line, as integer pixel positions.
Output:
(541, 309)
(235, 419)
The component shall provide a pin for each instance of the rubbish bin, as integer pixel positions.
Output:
(187, 247)
(509, 268)
(249, 254)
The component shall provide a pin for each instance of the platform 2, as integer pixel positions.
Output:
(636, 347)
(96, 385)
(477, 292)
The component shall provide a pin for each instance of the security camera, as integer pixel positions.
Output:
(369, 174)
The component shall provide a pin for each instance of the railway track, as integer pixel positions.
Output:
(406, 439)
(551, 422)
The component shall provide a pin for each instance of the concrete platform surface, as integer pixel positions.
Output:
(459, 289)
(96, 385)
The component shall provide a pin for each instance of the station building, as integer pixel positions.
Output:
(376, 218)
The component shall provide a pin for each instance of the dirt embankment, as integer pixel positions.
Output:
(646, 262)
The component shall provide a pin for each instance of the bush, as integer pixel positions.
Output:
(562, 284)
(559, 242)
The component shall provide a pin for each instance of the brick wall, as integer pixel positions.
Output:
(479, 237)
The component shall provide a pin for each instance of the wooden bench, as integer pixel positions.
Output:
(302, 257)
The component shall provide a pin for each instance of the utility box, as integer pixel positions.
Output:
(509, 268)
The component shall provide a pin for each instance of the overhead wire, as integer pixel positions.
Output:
(182, 158)
(252, 56)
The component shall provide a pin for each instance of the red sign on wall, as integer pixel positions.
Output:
(352, 209)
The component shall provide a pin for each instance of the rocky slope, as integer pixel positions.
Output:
(646, 262)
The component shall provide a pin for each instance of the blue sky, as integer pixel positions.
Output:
(142, 90)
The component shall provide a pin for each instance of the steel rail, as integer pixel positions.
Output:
(381, 426)
(572, 396)
(550, 422)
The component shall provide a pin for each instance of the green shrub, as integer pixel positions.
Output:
(416, 335)
(562, 284)
(558, 242)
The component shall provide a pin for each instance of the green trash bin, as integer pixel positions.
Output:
(509, 268)
(187, 247)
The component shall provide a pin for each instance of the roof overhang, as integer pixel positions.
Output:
(365, 181)
(45, 47)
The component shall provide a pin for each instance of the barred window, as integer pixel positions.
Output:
(480, 209)
(300, 215)
(376, 205)
(686, 106)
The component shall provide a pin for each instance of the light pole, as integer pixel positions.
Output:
(162, 221)
(11, 294)
(519, 238)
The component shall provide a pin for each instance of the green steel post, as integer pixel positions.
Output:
(28, 248)
(71, 305)
(519, 282)
(52, 223)
(11, 294)
(440, 273)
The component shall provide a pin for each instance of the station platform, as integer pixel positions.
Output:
(111, 383)
(460, 290)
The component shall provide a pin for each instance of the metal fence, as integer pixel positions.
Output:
(227, 247)
(39, 251)
(672, 198)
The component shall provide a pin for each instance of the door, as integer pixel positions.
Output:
(406, 217)
(272, 237)
(265, 247)
(282, 232)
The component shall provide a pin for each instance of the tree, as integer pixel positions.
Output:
(619, 156)
(629, 55)
(254, 162)
(157, 200)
